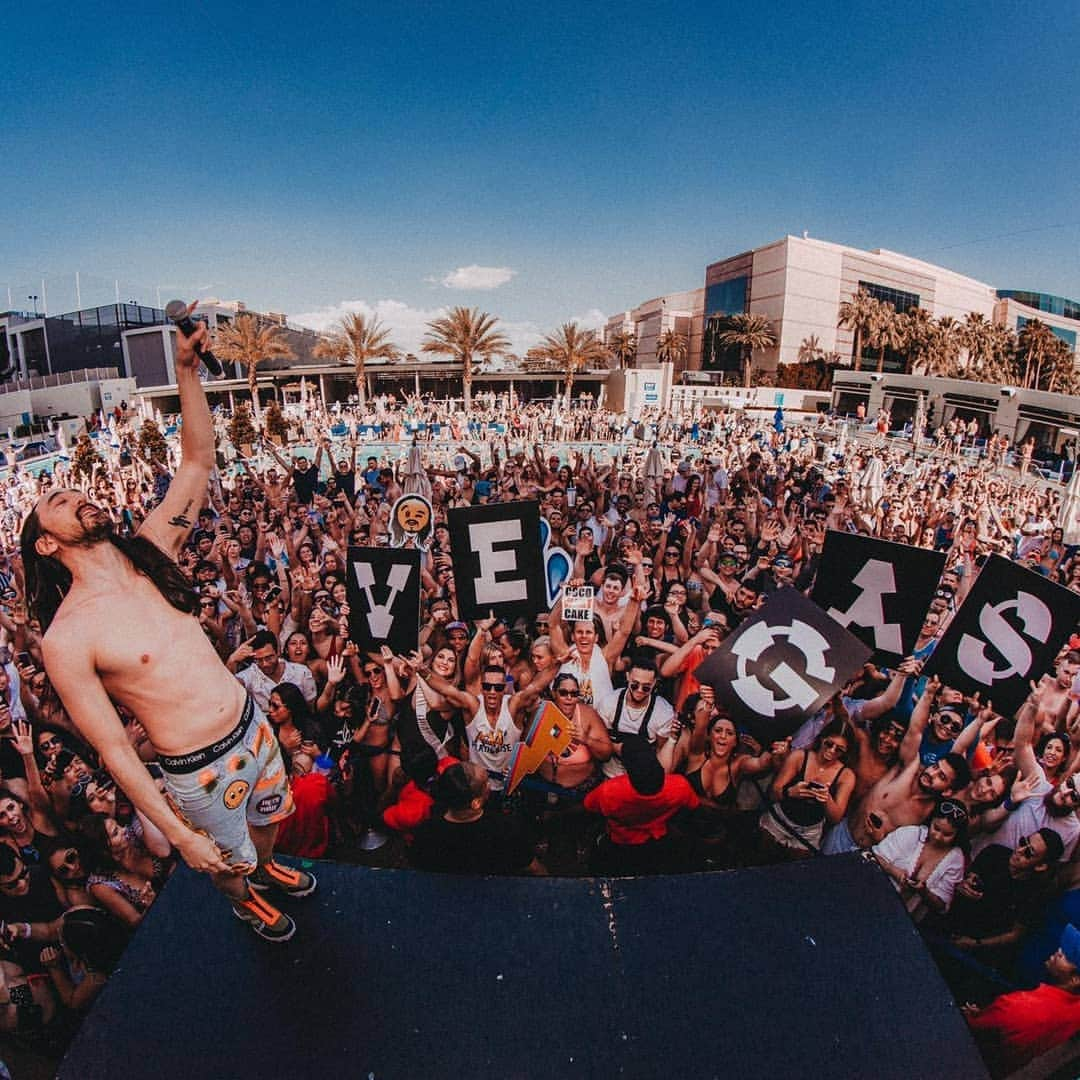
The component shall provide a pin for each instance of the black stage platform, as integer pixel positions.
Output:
(806, 970)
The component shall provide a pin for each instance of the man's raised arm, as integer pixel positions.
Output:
(171, 521)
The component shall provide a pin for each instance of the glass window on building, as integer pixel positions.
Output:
(716, 357)
(727, 297)
(1052, 305)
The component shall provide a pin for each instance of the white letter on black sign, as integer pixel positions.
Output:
(378, 616)
(875, 579)
(971, 652)
(483, 536)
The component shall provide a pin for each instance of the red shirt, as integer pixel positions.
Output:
(633, 818)
(413, 806)
(1029, 1022)
(307, 831)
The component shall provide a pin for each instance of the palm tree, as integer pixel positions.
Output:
(888, 331)
(1060, 364)
(858, 314)
(623, 348)
(243, 341)
(919, 338)
(1003, 364)
(810, 349)
(977, 333)
(572, 349)
(466, 334)
(749, 333)
(948, 341)
(1034, 343)
(359, 339)
(671, 348)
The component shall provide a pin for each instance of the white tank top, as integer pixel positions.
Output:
(594, 684)
(490, 746)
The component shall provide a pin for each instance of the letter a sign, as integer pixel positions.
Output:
(877, 590)
(1006, 634)
(384, 597)
(498, 564)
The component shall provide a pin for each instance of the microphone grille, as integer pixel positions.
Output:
(175, 309)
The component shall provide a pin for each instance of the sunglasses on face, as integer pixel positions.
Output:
(1026, 848)
(491, 688)
(833, 744)
(951, 722)
(372, 671)
(640, 686)
(953, 811)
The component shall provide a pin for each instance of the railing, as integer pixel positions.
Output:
(63, 378)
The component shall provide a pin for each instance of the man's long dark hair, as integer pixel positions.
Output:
(48, 580)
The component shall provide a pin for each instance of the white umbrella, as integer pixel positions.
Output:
(1069, 518)
(919, 422)
(873, 483)
(653, 470)
(303, 391)
(417, 481)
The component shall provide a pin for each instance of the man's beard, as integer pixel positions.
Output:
(96, 527)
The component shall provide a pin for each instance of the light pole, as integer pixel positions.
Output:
(34, 298)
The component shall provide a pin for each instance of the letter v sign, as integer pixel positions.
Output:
(378, 617)
(875, 579)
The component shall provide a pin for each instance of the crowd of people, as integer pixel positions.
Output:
(683, 526)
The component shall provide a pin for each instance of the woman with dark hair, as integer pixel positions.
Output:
(299, 650)
(93, 942)
(811, 788)
(514, 646)
(48, 742)
(926, 862)
(1053, 755)
(293, 722)
(708, 752)
(575, 772)
(68, 868)
(120, 891)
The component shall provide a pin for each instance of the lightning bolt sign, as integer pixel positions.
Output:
(549, 733)
(378, 616)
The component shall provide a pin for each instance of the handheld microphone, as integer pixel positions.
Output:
(176, 311)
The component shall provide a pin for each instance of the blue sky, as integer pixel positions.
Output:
(544, 163)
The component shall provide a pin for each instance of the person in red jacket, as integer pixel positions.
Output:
(637, 808)
(1016, 1027)
(307, 832)
(414, 801)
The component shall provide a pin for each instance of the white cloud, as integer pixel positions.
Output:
(593, 319)
(477, 277)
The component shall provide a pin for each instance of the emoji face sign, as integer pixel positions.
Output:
(235, 793)
(410, 522)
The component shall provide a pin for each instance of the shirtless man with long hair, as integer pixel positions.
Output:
(120, 626)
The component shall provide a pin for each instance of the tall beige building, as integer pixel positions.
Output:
(799, 283)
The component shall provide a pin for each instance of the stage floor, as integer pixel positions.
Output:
(805, 970)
